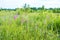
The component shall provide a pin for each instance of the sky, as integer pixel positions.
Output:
(32, 3)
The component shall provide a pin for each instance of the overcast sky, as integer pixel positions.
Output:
(32, 3)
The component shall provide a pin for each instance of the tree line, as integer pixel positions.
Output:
(33, 9)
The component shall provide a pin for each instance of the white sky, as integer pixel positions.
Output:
(32, 3)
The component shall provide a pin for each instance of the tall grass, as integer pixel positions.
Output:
(32, 26)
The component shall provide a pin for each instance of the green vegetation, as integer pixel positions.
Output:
(29, 24)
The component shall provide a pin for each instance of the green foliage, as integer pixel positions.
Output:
(36, 25)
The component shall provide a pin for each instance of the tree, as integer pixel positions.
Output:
(25, 5)
(43, 7)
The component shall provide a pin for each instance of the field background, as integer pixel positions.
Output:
(30, 24)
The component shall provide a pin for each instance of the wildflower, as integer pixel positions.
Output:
(15, 16)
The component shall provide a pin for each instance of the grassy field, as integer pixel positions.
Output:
(29, 26)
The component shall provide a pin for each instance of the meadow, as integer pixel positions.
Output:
(42, 25)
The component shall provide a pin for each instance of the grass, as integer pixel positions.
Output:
(30, 26)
